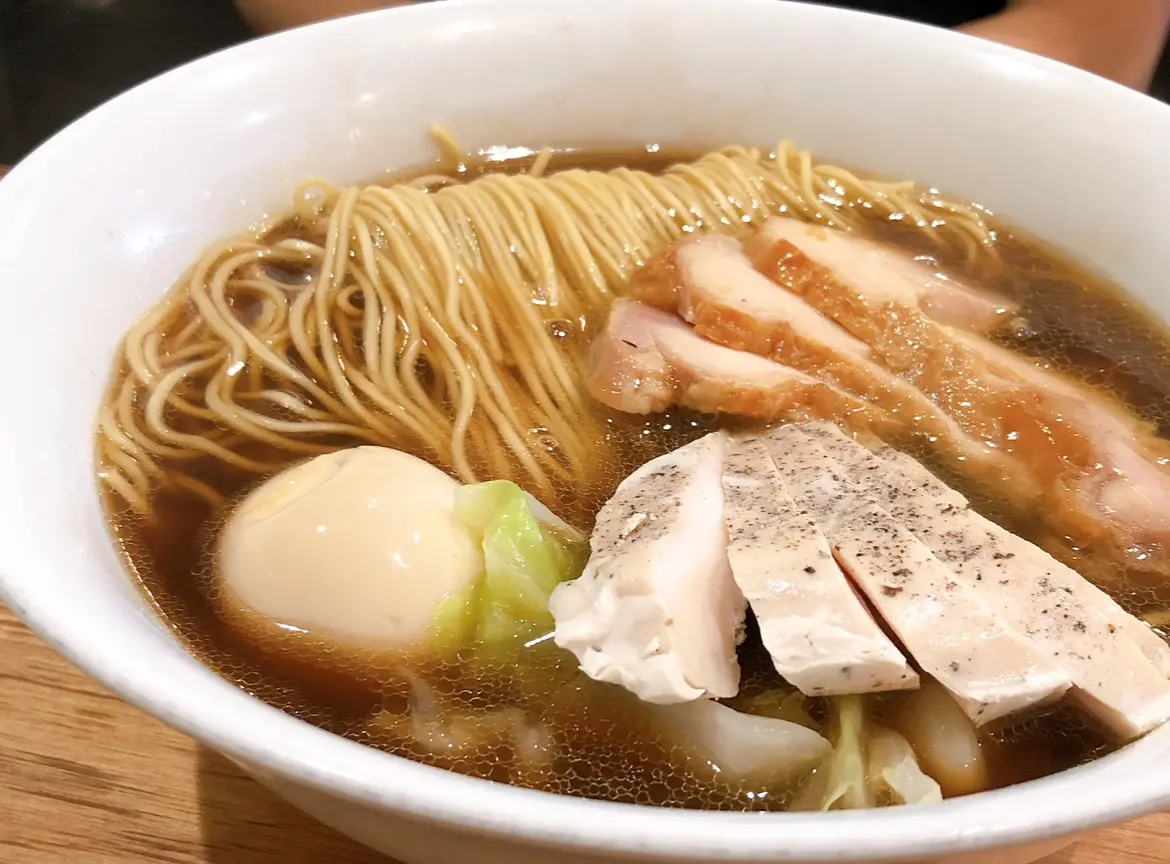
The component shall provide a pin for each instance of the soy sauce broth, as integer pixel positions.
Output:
(1075, 321)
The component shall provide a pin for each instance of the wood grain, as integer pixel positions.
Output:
(86, 778)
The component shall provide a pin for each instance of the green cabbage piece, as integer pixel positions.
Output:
(527, 552)
(895, 773)
(847, 787)
(454, 624)
(870, 766)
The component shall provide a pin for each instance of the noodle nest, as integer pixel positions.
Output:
(444, 317)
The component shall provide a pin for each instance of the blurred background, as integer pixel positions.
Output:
(59, 58)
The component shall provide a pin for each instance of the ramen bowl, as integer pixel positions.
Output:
(101, 219)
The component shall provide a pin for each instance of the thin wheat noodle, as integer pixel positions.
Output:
(440, 316)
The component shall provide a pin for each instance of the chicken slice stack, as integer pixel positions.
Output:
(817, 324)
(832, 545)
(862, 568)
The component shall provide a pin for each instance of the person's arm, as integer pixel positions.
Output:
(1118, 39)
(268, 16)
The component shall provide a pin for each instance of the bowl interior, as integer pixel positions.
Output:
(96, 224)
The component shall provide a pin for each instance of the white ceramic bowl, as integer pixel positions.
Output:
(97, 223)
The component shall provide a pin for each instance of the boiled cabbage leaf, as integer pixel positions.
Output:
(845, 771)
(527, 552)
(894, 771)
(870, 766)
(739, 746)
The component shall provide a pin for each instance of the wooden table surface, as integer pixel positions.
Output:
(85, 778)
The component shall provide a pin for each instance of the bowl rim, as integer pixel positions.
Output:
(1045, 808)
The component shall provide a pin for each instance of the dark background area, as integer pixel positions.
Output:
(59, 58)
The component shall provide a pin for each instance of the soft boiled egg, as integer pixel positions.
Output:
(356, 550)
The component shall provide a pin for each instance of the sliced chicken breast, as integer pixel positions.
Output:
(890, 275)
(991, 670)
(909, 490)
(656, 609)
(711, 283)
(819, 633)
(1096, 473)
(862, 297)
(1117, 665)
(1088, 449)
(646, 360)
